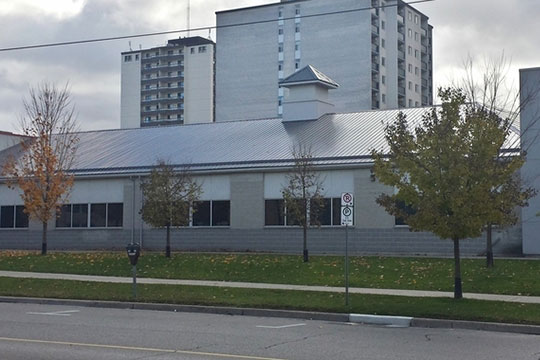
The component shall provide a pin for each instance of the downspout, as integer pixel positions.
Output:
(141, 228)
(133, 213)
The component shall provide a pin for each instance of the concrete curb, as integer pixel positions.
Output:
(393, 321)
(305, 315)
(476, 325)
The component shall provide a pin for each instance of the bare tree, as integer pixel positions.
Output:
(42, 172)
(303, 192)
(168, 195)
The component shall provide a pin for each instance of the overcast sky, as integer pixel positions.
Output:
(481, 28)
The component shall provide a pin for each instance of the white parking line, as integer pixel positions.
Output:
(55, 313)
(279, 327)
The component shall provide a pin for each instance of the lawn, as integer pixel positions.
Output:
(517, 277)
(442, 308)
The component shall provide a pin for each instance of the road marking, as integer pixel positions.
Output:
(279, 327)
(136, 348)
(55, 313)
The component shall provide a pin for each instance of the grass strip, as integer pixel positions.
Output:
(514, 277)
(440, 308)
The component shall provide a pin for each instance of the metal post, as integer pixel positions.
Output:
(346, 265)
(134, 287)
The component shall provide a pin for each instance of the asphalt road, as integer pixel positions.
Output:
(29, 331)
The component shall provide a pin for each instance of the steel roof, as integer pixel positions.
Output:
(335, 139)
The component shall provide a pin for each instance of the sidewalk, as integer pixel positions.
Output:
(245, 285)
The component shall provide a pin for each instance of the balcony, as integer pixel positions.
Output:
(424, 83)
(401, 37)
(401, 73)
(374, 30)
(375, 67)
(401, 90)
(424, 66)
(401, 55)
(375, 85)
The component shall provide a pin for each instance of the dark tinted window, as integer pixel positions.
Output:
(221, 213)
(21, 218)
(98, 213)
(115, 215)
(274, 212)
(7, 217)
(64, 217)
(80, 215)
(201, 215)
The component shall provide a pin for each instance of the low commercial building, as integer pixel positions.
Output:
(242, 167)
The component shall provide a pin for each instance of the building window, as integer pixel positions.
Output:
(416, 19)
(409, 15)
(410, 103)
(399, 221)
(416, 54)
(410, 68)
(409, 50)
(212, 213)
(13, 217)
(274, 212)
(410, 85)
(383, 98)
(297, 11)
(136, 57)
(416, 104)
(297, 65)
(383, 79)
(297, 29)
(127, 58)
(383, 25)
(169, 52)
(416, 88)
(280, 13)
(416, 36)
(409, 33)
(280, 67)
(383, 61)
(280, 48)
(416, 70)
(202, 49)
(100, 215)
(192, 50)
(383, 43)
(280, 31)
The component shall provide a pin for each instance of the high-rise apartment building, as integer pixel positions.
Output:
(378, 51)
(171, 84)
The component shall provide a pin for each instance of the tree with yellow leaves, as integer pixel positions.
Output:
(48, 151)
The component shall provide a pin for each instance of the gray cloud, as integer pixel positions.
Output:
(482, 28)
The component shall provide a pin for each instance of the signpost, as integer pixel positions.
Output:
(133, 252)
(347, 215)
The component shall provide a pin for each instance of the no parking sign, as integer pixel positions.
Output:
(347, 209)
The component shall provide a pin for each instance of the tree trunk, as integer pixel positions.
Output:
(168, 247)
(458, 292)
(306, 256)
(489, 246)
(44, 238)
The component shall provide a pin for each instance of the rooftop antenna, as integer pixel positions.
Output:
(188, 17)
(130, 49)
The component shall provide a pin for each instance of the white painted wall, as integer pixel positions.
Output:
(10, 196)
(130, 93)
(530, 172)
(199, 85)
(97, 191)
(215, 187)
(335, 183)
